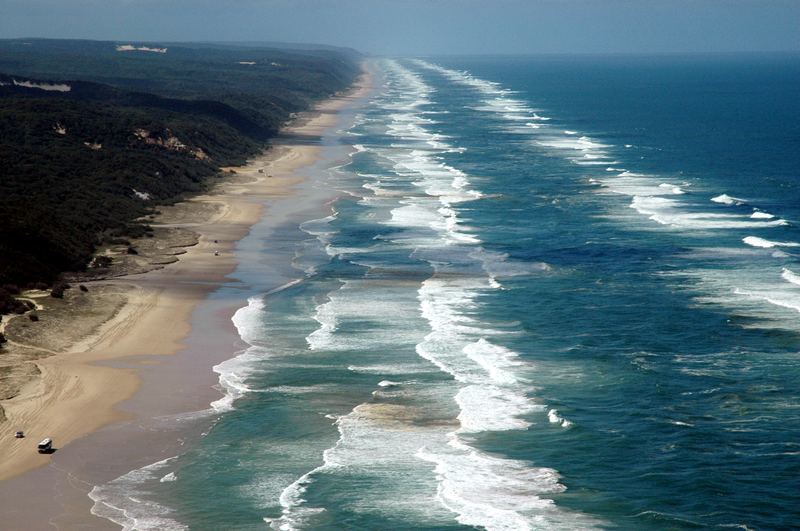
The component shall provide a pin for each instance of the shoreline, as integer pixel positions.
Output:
(81, 389)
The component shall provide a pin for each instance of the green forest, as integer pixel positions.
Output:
(84, 127)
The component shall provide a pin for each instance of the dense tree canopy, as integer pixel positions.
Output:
(135, 129)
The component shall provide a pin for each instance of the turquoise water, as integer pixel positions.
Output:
(553, 293)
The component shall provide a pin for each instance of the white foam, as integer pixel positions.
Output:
(755, 241)
(362, 449)
(498, 362)
(294, 515)
(634, 184)
(762, 297)
(493, 408)
(589, 151)
(234, 372)
(555, 418)
(671, 212)
(499, 494)
(783, 299)
(384, 369)
(319, 227)
(583, 143)
(441, 182)
(232, 376)
(672, 188)
(483, 490)
(322, 337)
(791, 276)
(123, 501)
(725, 199)
(497, 99)
(650, 199)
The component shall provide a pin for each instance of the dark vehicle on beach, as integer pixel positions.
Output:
(45, 446)
(19, 434)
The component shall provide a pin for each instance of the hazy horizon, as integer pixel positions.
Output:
(435, 27)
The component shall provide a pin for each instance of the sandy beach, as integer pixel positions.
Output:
(81, 385)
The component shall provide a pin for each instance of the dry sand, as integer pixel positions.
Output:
(74, 395)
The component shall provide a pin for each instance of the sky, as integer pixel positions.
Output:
(419, 27)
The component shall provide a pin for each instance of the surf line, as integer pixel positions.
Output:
(491, 391)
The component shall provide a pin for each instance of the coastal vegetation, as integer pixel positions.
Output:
(94, 135)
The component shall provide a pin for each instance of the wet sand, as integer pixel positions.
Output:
(136, 376)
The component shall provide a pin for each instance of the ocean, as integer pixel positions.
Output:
(546, 293)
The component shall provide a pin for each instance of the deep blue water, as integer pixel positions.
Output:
(554, 293)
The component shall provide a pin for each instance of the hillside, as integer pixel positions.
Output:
(94, 135)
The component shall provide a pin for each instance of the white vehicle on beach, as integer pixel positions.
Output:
(45, 446)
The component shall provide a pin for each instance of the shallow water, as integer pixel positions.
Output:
(552, 294)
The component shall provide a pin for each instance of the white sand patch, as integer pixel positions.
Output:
(58, 87)
(171, 142)
(144, 196)
(132, 48)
